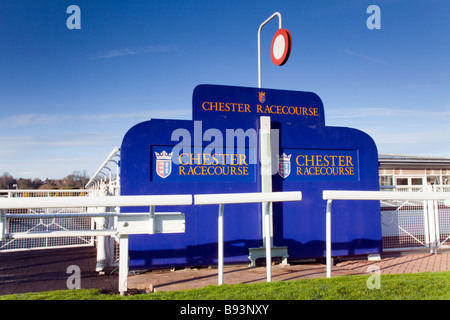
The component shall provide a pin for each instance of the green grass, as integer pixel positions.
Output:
(419, 286)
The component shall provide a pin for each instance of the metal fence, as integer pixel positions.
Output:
(415, 224)
(443, 217)
(105, 182)
(426, 226)
(30, 225)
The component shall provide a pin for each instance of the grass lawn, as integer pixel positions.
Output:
(418, 286)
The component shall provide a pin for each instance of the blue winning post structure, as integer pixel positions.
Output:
(252, 140)
(219, 151)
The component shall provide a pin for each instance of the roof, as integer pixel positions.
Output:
(390, 160)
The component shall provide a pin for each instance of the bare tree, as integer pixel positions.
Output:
(7, 181)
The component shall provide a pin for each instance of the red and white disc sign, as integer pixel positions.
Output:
(281, 47)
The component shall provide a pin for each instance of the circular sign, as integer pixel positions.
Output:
(281, 47)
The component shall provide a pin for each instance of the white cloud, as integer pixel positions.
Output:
(365, 57)
(114, 53)
(44, 145)
(416, 86)
(345, 113)
(399, 131)
(25, 120)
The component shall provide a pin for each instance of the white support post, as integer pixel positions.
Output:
(436, 225)
(266, 211)
(266, 200)
(101, 240)
(101, 247)
(266, 170)
(123, 264)
(220, 242)
(328, 238)
(432, 227)
(2, 224)
(266, 186)
(151, 221)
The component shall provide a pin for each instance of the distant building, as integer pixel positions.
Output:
(408, 170)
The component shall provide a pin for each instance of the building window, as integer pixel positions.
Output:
(409, 181)
(387, 181)
(433, 180)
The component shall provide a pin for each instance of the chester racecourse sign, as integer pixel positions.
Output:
(218, 151)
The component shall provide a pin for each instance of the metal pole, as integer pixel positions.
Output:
(436, 225)
(151, 227)
(123, 264)
(266, 206)
(220, 243)
(266, 168)
(259, 42)
(328, 238)
(266, 186)
(2, 224)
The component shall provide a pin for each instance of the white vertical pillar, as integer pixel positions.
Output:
(268, 246)
(220, 243)
(328, 238)
(101, 246)
(101, 241)
(430, 222)
(432, 226)
(266, 186)
(266, 163)
(2, 224)
(123, 264)
(436, 226)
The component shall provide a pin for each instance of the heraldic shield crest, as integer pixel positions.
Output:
(163, 164)
(284, 165)
(262, 96)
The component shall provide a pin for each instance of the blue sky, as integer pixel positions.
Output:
(67, 97)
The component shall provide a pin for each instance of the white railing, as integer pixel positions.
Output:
(144, 222)
(234, 198)
(135, 223)
(128, 222)
(330, 196)
(107, 183)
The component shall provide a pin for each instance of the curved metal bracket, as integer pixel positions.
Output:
(259, 42)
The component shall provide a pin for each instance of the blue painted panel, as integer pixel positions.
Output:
(241, 107)
(198, 245)
(335, 158)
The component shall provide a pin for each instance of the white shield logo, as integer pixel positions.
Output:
(163, 164)
(284, 165)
